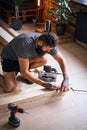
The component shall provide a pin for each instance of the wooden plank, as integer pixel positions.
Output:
(7, 28)
(81, 43)
(1, 47)
(38, 96)
(5, 37)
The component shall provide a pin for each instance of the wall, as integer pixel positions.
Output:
(78, 6)
(81, 24)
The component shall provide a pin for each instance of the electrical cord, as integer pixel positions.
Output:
(79, 90)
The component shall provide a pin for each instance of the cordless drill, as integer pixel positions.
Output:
(13, 120)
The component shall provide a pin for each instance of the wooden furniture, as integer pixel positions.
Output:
(8, 16)
(5, 14)
(27, 10)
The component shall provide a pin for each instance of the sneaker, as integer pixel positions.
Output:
(20, 78)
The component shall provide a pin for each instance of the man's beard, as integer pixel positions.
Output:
(39, 51)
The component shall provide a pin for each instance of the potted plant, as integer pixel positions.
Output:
(60, 12)
(17, 23)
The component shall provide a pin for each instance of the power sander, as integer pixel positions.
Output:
(13, 120)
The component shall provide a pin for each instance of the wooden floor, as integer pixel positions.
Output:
(68, 113)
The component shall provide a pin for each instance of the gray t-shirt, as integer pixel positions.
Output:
(23, 46)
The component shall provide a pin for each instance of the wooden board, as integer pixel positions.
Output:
(28, 98)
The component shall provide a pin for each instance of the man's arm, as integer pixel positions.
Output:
(24, 70)
(61, 61)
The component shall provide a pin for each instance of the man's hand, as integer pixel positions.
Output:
(50, 86)
(64, 86)
(54, 86)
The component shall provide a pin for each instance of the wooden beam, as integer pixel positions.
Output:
(33, 97)
(8, 29)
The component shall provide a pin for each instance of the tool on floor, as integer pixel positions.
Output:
(48, 74)
(79, 90)
(13, 120)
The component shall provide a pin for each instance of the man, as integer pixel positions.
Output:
(27, 51)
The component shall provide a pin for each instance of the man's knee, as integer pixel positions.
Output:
(44, 60)
(37, 62)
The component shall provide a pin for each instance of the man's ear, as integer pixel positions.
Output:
(39, 43)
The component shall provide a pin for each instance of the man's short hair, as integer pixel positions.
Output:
(49, 39)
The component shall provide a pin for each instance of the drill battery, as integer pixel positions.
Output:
(13, 120)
